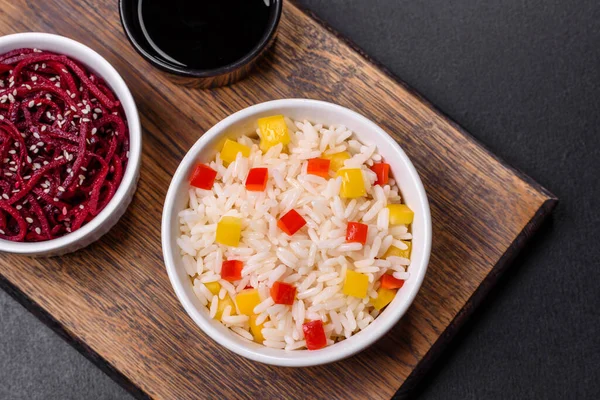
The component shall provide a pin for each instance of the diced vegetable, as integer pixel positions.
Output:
(384, 297)
(256, 329)
(389, 282)
(229, 230)
(222, 305)
(231, 149)
(213, 287)
(291, 222)
(203, 177)
(356, 232)
(356, 284)
(319, 167)
(337, 160)
(257, 179)
(396, 252)
(353, 185)
(246, 300)
(314, 334)
(231, 270)
(400, 214)
(273, 130)
(283, 293)
(382, 170)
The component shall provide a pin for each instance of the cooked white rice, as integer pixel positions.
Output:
(315, 259)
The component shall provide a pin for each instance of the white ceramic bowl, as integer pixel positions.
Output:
(109, 216)
(243, 122)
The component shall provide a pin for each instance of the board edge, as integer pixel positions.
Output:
(424, 365)
(413, 92)
(57, 327)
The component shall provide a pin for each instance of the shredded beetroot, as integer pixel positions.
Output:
(64, 145)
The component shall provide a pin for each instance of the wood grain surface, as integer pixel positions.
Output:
(113, 300)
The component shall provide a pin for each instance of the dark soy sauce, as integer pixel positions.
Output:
(203, 34)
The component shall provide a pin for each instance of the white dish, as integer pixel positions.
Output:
(243, 122)
(113, 211)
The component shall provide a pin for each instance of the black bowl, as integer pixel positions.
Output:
(203, 78)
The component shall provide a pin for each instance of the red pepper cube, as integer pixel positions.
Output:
(203, 177)
(257, 179)
(356, 232)
(319, 167)
(314, 334)
(283, 293)
(231, 270)
(382, 170)
(291, 222)
(389, 282)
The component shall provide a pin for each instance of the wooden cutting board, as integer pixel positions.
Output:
(113, 300)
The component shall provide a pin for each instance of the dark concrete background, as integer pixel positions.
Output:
(523, 76)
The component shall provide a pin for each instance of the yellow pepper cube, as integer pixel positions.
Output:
(394, 251)
(231, 149)
(222, 305)
(400, 214)
(384, 297)
(353, 185)
(246, 300)
(213, 287)
(356, 284)
(256, 329)
(229, 230)
(273, 130)
(337, 160)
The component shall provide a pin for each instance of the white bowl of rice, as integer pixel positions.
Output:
(285, 239)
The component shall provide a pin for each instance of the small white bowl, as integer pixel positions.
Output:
(243, 122)
(109, 216)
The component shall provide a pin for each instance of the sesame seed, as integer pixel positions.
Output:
(8, 174)
(19, 207)
(34, 78)
(31, 104)
(61, 189)
(5, 196)
(26, 177)
(36, 135)
(44, 128)
(39, 144)
(64, 210)
(14, 93)
(29, 220)
(29, 159)
(12, 151)
(94, 130)
(55, 199)
(2, 232)
(28, 87)
(32, 147)
(38, 230)
(85, 120)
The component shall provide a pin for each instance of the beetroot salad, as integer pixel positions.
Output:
(64, 145)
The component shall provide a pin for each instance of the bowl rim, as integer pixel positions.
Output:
(116, 82)
(349, 346)
(204, 73)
